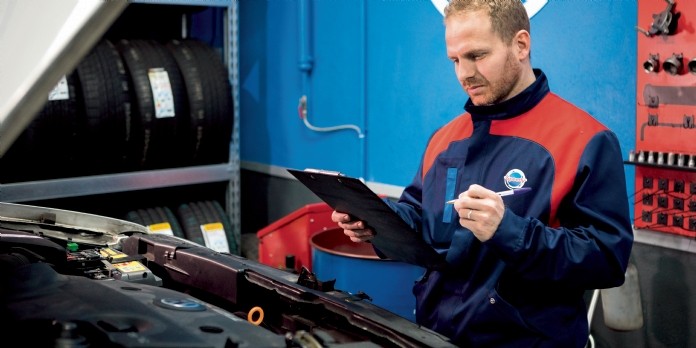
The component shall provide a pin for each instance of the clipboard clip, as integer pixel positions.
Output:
(322, 171)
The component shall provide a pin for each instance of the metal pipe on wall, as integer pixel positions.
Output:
(306, 64)
(363, 101)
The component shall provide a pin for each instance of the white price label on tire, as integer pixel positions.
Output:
(214, 237)
(162, 95)
(61, 91)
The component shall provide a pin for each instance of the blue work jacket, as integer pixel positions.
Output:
(525, 286)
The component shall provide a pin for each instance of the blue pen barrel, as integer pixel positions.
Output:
(357, 268)
(516, 191)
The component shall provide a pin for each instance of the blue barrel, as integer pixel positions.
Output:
(357, 268)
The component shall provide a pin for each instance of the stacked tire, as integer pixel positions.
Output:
(159, 219)
(208, 93)
(50, 141)
(202, 222)
(131, 105)
(105, 126)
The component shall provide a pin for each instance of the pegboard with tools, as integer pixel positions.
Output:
(665, 154)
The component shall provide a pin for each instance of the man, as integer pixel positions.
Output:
(519, 265)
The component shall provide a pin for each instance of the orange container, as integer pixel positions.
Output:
(291, 235)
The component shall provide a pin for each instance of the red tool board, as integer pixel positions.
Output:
(665, 154)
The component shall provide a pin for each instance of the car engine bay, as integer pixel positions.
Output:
(72, 279)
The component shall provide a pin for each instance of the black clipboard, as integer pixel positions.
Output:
(393, 236)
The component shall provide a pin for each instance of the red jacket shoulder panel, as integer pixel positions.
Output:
(547, 125)
(459, 128)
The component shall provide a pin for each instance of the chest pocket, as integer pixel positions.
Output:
(450, 193)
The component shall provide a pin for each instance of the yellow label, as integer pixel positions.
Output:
(162, 227)
(213, 226)
(108, 252)
(130, 266)
(214, 237)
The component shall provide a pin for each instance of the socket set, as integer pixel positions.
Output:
(666, 159)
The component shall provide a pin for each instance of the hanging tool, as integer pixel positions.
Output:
(664, 23)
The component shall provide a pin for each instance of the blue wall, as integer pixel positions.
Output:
(380, 65)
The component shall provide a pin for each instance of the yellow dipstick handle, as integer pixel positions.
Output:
(256, 310)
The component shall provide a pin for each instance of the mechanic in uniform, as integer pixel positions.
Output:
(519, 265)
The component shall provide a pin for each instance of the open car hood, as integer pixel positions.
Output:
(40, 41)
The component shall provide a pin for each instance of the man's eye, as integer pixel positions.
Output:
(475, 55)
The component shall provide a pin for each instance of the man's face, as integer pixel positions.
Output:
(487, 68)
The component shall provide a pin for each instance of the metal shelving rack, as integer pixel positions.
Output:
(152, 179)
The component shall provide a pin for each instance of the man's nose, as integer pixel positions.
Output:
(465, 70)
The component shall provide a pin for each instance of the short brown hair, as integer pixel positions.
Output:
(507, 16)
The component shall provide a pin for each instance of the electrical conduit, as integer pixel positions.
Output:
(306, 64)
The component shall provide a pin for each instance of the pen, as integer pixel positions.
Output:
(503, 193)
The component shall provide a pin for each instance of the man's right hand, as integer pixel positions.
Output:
(356, 230)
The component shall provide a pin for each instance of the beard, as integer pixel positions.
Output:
(502, 87)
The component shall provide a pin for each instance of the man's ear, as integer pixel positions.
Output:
(523, 43)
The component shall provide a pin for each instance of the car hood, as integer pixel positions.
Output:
(40, 41)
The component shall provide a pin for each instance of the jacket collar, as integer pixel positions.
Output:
(514, 106)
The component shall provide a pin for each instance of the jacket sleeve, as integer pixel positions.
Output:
(591, 247)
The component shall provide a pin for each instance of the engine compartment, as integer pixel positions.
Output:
(139, 289)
